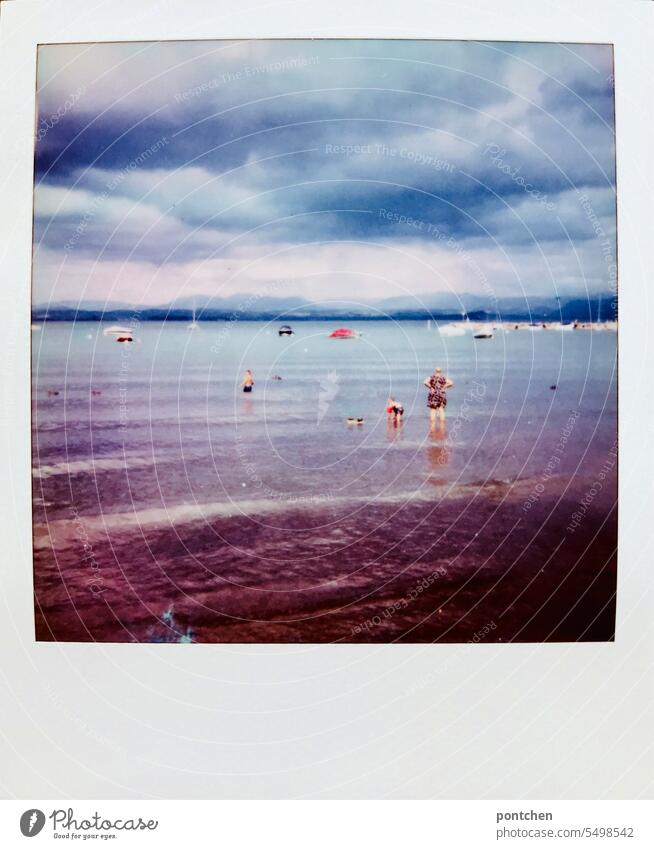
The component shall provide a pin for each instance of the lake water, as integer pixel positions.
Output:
(168, 504)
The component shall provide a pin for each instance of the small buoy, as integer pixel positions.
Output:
(53, 391)
(344, 333)
(553, 386)
(355, 420)
(275, 377)
(124, 339)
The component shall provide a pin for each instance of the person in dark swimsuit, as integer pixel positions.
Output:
(437, 384)
(248, 381)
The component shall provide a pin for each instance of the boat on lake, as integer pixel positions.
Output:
(117, 330)
(344, 333)
(193, 325)
(452, 330)
(119, 333)
(483, 331)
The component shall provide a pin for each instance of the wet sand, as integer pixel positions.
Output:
(475, 566)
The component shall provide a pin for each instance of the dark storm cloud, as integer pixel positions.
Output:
(267, 143)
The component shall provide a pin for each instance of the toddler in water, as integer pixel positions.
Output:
(248, 381)
(395, 409)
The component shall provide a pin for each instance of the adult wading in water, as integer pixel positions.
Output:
(437, 384)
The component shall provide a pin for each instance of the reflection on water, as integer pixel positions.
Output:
(247, 406)
(394, 427)
(437, 452)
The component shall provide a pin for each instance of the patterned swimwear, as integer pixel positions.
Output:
(437, 398)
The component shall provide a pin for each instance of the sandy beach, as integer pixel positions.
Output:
(457, 570)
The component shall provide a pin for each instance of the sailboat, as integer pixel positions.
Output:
(193, 325)
(606, 324)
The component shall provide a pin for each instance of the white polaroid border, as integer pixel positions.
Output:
(411, 721)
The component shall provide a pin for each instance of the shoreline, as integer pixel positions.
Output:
(153, 518)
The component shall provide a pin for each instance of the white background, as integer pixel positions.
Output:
(472, 721)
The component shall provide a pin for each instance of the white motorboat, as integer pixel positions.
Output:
(452, 330)
(117, 330)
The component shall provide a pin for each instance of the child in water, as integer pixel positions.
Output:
(248, 381)
(395, 410)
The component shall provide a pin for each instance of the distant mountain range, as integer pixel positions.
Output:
(441, 306)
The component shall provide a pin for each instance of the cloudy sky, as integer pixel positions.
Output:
(355, 170)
